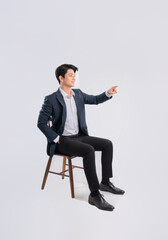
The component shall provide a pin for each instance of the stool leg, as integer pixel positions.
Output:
(63, 165)
(71, 177)
(46, 172)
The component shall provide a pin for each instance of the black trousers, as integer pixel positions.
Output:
(85, 147)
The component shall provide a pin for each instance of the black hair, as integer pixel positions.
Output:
(62, 70)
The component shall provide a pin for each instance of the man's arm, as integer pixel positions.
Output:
(43, 118)
(95, 99)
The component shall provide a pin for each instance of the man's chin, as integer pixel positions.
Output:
(71, 85)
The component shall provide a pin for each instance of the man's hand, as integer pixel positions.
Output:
(113, 90)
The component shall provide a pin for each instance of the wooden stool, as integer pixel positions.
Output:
(70, 169)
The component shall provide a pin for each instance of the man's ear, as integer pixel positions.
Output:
(60, 78)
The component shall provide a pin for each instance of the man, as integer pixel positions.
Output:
(69, 134)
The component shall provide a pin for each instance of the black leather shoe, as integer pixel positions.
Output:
(100, 202)
(109, 187)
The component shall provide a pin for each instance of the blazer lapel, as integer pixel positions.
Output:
(62, 102)
(76, 98)
(60, 97)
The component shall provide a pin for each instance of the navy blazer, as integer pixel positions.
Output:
(54, 106)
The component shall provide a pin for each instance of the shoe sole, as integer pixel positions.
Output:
(105, 190)
(100, 207)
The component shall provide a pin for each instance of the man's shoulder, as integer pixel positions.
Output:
(76, 90)
(51, 96)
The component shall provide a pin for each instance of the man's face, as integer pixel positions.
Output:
(69, 79)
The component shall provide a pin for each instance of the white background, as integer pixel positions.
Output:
(112, 43)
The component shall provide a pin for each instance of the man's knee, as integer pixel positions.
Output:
(108, 143)
(89, 150)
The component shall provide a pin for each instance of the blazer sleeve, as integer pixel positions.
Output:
(44, 115)
(95, 99)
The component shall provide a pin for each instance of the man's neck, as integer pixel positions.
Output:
(68, 90)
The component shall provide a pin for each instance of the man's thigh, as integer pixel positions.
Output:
(73, 146)
(98, 143)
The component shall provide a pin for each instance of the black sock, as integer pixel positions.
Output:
(105, 180)
(94, 193)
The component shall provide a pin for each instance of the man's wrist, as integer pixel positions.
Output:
(108, 94)
(56, 139)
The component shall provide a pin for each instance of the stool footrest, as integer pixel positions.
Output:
(74, 166)
(61, 173)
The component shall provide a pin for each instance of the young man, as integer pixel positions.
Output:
(69, 134)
